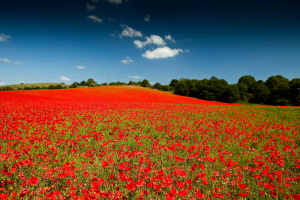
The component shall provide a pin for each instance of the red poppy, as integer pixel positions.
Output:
(33, 181)
(183, 193)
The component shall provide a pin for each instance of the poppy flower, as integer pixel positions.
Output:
(33, 181)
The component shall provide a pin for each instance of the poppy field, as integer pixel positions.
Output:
(134, 143)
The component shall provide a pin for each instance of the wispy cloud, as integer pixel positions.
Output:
(130, 32)
(64, 78)
(169, 37)
(3, 37)
(136, 77)
(18, 62)
(187, 51)
(95, 18)
(2, 83)
(127, 61)
(147, 18)
(162, 52)
(80, 67)
(90, 7)
(9, 61)
(5, 60)
(153, 39)
(152, 83)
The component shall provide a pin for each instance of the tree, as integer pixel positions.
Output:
(145, 83)
(83, 83)
(279, 87)
(231, 95)
(166, 88)
(174, 83)
(261, 94)
(247, 80)
(131, 83)
(157, 86)
(295, 91)
(243, 91)
(182, 88)
(91, 83)
(74, 85)
(58, 86)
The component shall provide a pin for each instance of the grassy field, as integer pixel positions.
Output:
(33, 85)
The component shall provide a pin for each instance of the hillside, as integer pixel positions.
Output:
(32, 85)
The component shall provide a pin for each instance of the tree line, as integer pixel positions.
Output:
(276, 90)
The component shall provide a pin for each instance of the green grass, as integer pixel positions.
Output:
(33, 85)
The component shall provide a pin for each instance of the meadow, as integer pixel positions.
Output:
(127, 142)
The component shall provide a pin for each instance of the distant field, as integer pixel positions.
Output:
(33, 85)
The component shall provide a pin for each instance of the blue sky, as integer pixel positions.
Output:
(159, 40)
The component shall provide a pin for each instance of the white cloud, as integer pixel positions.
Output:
(5, 60)
(130, 32)
(112, 34)
(22, 82)
(147, 18)
(152, 83)
(111, 19)
(64, 78)
(18, 62)
(168, 37)
(2, 83)
(95, 18)
(3, 37)
(153, 39)
(162, 52)
(187, 51)
(90, 7)
(80, 67)
(9, 61)
(136, 77)
(127, 61)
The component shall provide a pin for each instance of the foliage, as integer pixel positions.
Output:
(173, 83)
(83, 83)
(145, 83)
(74, 85)
(117, 83)
(131, 83)
(157, 86)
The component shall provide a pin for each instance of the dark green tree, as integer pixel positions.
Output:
(261, 94)
(166, 88)
(74, 85)
(58, 86)
(295, 91)
(157, 86)
(248, 80)
(182, 88)
(231, 94)
(173, 83)
(83, 83)
(131, 83)
(243, 91)
(145, 83)
(279, 87)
